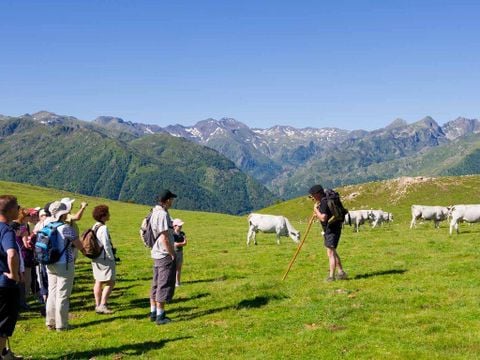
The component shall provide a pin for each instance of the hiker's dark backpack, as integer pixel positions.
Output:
(146, 232)
(46, 245)
(92, 246)
(335, 206)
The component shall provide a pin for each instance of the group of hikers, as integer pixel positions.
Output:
(38, 249)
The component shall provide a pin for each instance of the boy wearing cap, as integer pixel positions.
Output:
(163, 255)
(331, 232)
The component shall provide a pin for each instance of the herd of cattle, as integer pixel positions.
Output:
(282, 227)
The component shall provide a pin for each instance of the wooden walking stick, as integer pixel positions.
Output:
(310, 222)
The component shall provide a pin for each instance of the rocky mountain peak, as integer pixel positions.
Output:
(397, 123)
(105, 120)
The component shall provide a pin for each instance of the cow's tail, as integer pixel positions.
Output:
(349, 219)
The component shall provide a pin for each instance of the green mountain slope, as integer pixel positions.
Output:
(357, 165)
(76, 156)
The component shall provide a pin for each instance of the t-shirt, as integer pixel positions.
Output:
(324, 209)
(160, 222)
(66, 234)
(7, 241)
(178, 238)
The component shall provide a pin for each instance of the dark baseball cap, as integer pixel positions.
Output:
(315, 189)
(165, 195)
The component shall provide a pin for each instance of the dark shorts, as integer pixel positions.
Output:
(332, 238)
(163, 283)
(9, 308)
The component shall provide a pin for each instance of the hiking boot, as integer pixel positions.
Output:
(162, 319)
(11, 356)
(342, 276)
(102, 309)
(330, 279)
(153, 315)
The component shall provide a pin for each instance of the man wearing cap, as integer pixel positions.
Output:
(163, 255)
(331, 232)
(61, 273)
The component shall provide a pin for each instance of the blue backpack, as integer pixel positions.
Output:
(46, 245)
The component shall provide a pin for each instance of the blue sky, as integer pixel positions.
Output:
(348, 64)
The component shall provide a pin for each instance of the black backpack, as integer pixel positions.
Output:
(335, 206)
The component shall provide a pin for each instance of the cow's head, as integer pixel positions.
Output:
(295, 235)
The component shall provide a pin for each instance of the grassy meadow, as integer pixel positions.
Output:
(410, 293)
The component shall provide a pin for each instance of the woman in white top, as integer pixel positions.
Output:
(103, 266)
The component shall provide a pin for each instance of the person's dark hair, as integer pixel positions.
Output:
(99, 212)
(7, 202)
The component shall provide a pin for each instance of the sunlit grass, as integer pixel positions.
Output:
(411, 293)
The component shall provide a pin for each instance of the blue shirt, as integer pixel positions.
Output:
(7, 241)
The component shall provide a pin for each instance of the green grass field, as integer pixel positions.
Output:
(411, 293)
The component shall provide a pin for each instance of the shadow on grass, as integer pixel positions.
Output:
(217, 279)
(379, 273)
(193, 297)
(118, 352)
(256, 302)
(109, 318)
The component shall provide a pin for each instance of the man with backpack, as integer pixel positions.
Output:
(163, 255)
(331, 213)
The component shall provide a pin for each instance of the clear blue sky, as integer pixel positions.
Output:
(349, 64)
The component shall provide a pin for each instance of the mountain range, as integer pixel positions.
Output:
(224, 165)
(288, 160)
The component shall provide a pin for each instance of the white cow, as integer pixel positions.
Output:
(435, 213)
(358, 217)
(380, 216)
(460, 213)
(270, 224)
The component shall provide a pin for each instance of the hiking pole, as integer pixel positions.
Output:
(310, 222)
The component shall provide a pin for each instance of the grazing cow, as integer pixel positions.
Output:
(358, 217)
(270, 224)
(460, 213)
(435, 213)
(380, 216)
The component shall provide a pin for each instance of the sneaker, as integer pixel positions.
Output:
(342, 276)
(153, 315)
(102, 309)
(162, 319)
(11, 356)
(330, 279)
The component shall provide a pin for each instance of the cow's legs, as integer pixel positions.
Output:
(413, 223)
(454, 224)
(251, 233)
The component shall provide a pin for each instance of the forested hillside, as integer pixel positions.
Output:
(73, 155)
